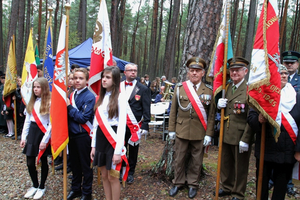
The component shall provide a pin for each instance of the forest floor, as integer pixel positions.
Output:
(15, 180)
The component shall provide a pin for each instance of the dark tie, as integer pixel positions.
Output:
(233, 89)
(75, 95)
(128, 83)
(289, 79)
(195, 87)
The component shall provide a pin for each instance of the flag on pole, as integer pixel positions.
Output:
(101, 49)
(29, 72)
(58, 110)
(37, 55)
(215, 71)
(48, 58)
(10, 84)
(264, 82)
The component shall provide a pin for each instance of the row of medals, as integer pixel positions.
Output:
(238, 107)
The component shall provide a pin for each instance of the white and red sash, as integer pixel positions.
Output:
(88, 125)
(111, 137)
(131, 122)
(44, 130)
(196, 103)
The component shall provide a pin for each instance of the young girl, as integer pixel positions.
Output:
(108, 149)
(36, 134)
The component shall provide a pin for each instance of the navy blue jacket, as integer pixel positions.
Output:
(85, 102)
(296, 82)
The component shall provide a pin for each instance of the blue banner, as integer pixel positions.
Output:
(48, 64)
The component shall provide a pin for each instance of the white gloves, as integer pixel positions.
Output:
(207, 140)
(172, 135)
(222, 102)
(243, 147)
(142, 132)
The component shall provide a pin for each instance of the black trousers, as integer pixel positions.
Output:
(79, 153)
(281, 175)
(132, 152)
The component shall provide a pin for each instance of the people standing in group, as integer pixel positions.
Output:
(138, 97)
(36, 135)
(157, 79)
(40, 71)
(142, 81)
(80, 107)
(174, 82)
(154, 89)
(3, 127)
(160, 96)
(108, 151)
(281, 155)
(187, 125)
(237, 134)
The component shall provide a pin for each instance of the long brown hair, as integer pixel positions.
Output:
(45, 97)
(113, 100)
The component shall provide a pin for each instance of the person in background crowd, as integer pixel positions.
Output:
(160, 97)
(36, 136)
(109, 132)
(147, 81)
(142, 81)
(3, 128)
(20, 115)
(163, 79)
(158, 83)
(187, 127)
(238, 136)
(73, 66)
(80, 115)
(138, 97)
(174, 81)
(154, 89)
(291, 62)
(280, 156)
(40, 70)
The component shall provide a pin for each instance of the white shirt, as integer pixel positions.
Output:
(129, 88)
(238, 85)
(119, 121)
(192, 84)
(45, 120)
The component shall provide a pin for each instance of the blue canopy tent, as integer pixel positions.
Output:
(81, 55)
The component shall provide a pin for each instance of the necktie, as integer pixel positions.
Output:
(128, 83)
(233, 89)
(75, 95)
(195, 87)
(289, 79)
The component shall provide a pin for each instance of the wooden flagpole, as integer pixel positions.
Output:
(262, 143)
(223, 109)
(15, 118)
(67, 7)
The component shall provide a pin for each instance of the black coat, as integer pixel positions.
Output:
(283, 151)
(139, 103)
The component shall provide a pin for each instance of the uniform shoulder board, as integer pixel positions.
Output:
(209, 86)
(179, 84)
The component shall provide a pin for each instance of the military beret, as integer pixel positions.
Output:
(290, 56)
(196, 63)
(237, 62)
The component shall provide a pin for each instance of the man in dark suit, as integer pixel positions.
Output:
(291, 62)
(138, 96)
(236, 149)
(147, 81)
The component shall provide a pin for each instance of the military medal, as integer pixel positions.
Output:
(235, 106)
(243, 107)
(238, 111)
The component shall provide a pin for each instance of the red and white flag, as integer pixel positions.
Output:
(101, 49)
(58, 110)
(264, 84)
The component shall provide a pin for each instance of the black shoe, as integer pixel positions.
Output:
(73, 195)
(69, 170)
(86, 197)
(290, 192)
(130, 179)
(222, 193)
(192, 192)
(174, 190)
(235, 198)
(59, 167)
(58, 161)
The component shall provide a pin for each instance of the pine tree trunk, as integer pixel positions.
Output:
(152, 48)
(1, 39)
(56, 25)
(12, 24)
(20, 37)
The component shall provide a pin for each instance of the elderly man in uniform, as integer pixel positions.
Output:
(236, 149)
(188, 121)
(291, 61)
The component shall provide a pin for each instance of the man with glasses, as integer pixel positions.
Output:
(291, 62)
(139, 99)
(237, 136)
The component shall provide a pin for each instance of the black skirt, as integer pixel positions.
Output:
(104, 151)
(34, 139)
